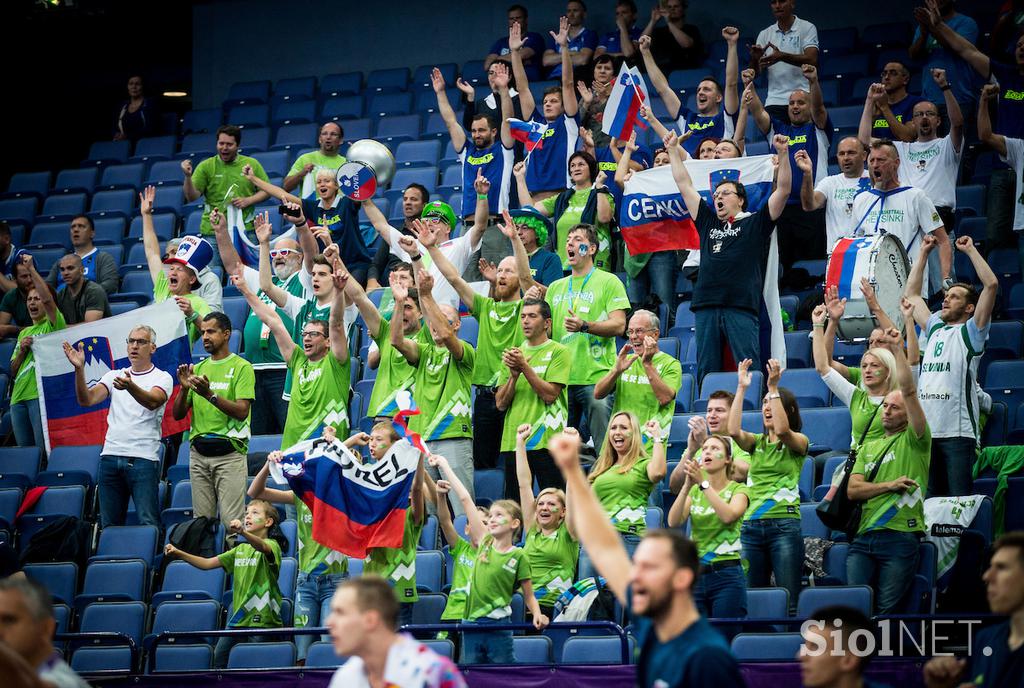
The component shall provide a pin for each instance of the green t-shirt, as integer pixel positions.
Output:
(633, 391)
(397, 565)
(624, 496)
(463, 558)
(499, 330)
(310, 310)
(571, 217)
(394, 374)
(552, 362)
(220, 183)
(315, 558)
(319, 397)
(862, 412)
(162, 292)
(319, 162)
(446, 406)
(552, 561)
(258, 344)
(232, 378)
(715, 540)
(255, 595)
(25, 388)
(773, 481)
(905, 454)
(494, 580)
(592, 298)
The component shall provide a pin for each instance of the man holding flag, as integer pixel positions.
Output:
(734, 245)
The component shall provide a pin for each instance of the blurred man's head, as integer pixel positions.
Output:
(26, 619)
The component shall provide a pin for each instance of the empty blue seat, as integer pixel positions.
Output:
(421, 78)
(248, 93)
(320, 655)
(767, 646)
(845, 117)
(80, 462)
(489, 484)
(828, 429)
(192, 615)
(296, 88)
(837, 41)
(18, 209)
(418, 153)
(120, 202)
(341, 84)
(394, 129)
(61, 579)
(429, 571)
(237, 310)
(684, 397)
(343, 107)
(807, 386)
(294, 136)
(262, 656)
(889, 35)
(107, 153)
(126, 542)
(50, 234)
(356, 129)
(163, 225)
(532, 649)
(1005, 374)
(109, 230)
(113, 581)
(767, 603)
(249, 115)
(198, 145)
(201, 121)
(387, 80)
(46, 258)
(264, 443)
(63, 205)
(727, 381)
(168, 198)
(971, 198)
(128, 176)
(87, 660)
(429, 607)
(10, 500)
(165, 172)
(20, 461)
(798, 350)
(153, 148)
(64, 501)
(851, 66)
(384, 104)
(115, 617)
(445, 647)
(188, 657)
(857, 596)
(594, 650)
(62, 617)
(427, 176)
(28, 184)
(275, 163)
(435, 126)
(294, 112)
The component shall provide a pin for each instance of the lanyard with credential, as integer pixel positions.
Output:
(572, 299)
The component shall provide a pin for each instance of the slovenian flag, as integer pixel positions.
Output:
(105, 342)
(406, 409)
(530, 134)
(621, 113)
(356, 506)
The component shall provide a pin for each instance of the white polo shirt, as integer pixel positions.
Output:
(132, 429)
(784, 78)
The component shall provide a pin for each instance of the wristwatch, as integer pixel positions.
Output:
(213, 399)
(704, 485)
(585, 326)
(416, 257)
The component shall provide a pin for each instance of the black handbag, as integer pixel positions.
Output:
(837, 511)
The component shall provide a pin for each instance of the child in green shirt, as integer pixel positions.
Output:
(499, 567)
(551, 545)
(254, 566)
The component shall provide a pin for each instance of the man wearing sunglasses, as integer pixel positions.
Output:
(130, 458)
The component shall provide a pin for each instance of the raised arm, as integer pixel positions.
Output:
(818, 112)
(438, 492)
(379, 222)
(263, 228)
(996, 142)
(595, 532)
(477, 529)
(84, 395)
(336, 323)
(657, 467)
(501, 80)
(906, 382)
(754, 106)
(658, 80)
(204, 563)
(875, 93)
(515, 49)
(508, 228)
(989, 281)
(784, 181)
(270, 189)
(915, 280)
(525, 199)
(809, 198)
(268, 316)
(455, 130)
(930, 19)
(956, 115)
(796, 441)
(258, 488)
(42, 288)
(436, 318)
(569, 103)
(732, 70)
(183, 402)
(525, 477)
(682, 178)
(150, 242)
(743, 438)
(406, 347)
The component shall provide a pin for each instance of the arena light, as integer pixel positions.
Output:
(175, 94)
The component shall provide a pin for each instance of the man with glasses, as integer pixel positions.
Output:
(645, 380)
(891, 106)
(130, 458)
(79, 299)
(326, 157)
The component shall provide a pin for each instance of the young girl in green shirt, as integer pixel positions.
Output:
(499, 567)
(551, 544)
(715, 505)
(254, 566)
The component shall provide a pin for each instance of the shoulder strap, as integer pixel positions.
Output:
(868, 426)
(878, 463)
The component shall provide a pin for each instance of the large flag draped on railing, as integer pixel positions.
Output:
(654, 218)
(106, 348)
(356, 505)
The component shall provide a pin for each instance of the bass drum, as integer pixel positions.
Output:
(883, 261)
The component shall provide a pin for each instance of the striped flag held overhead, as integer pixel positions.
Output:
(530, 134)
(621, 113)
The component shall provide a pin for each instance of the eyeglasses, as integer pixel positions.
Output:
(891, 72)
(639, 330)
(282, 252)
(926, 113)
(434, 219)
(724, 192)
(137, 342)
(313, 333)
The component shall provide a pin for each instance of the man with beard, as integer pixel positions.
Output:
(182, 274)
(953, 341)
(677, 647)
(14, 309)
(98, 266)
(384, 262)
(907, 213)
(483, 154)
(835, 193)
(645, 380)
(80, 300)
(259, 346)
(326, 157)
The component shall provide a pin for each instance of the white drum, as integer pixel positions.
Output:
(883, 261)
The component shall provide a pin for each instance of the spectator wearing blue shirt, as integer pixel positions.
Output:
(622, 42)
(935, 53)
(534, 228)
(894, 110)
(677, 646)
(801, 233)
(581, 41)
(997, 651)
(533, 44)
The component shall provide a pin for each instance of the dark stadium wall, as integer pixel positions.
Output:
(267, 39)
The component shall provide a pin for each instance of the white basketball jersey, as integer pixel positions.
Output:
(946, 386)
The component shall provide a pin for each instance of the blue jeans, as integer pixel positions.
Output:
(121, 477)
(597, 411)
(658, 276)
(586, 568)
(312, 604)
(949, 473)
(774, 545)
(721, 594)
(487, 647)
(890, 554)
(27, 424)
(740, 329)
(269, 415)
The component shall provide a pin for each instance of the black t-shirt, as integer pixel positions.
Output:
(732, 257)
(669, 55)
(1010, 119)
(1000, 669)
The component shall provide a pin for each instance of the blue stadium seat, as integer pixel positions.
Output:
(275, 163)
(384, 104)
(837, 41)
(163, 224)
(237, 310)
(418, 153)
(430, 571)
(61, 579)
(489, 485)
(108, 153)
(254, 139)
(62, 616)
(473, 72)
(68, 500)
(357, 129)
(427, 176)
(187, 657)
(532, 649)
(767, 603)
(807, 386)
(593, 650)
(286, 577)
(28, 185)
(835, 562)
(109, 230)
(128, 176)
(798, 350)
(249, 115)
(198, 145)
(426, 101)
(421, 78)
(890, 35)
(63, 205)
(201, 121)
(118, 202)
(845, 117)
(262, 656)
(81, 463)
(767, 646)
(320, 655)
(828, 429)
(428, 534)
(1006, 334)
(341, 84)
(153, 148)
(50, 234)
(105, 659)
(138, 281)
(127, 542)
(295, 89)
(191, 615)
(429, 607)
(684, 397)
(18, 209)
(10, 500)
(343, 108)
(264, 443)
(445, 647)
(115, 617)
(290, 529)
(857, 596)
(46, 258)
(727, 381)
(113, 581)
(294, 136)
(806, 481)
(294, 112)
(970, 198)
(248, 92)
(394, 129)
(19, 461)
(1014, 301)
(165, 172)
(387, 80)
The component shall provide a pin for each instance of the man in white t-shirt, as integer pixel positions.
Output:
(835, 192)
(440, 217)
(782, 49)
(130, 458)
(1010, 150)
(890, 207)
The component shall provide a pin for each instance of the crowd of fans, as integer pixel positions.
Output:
(532, 255)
